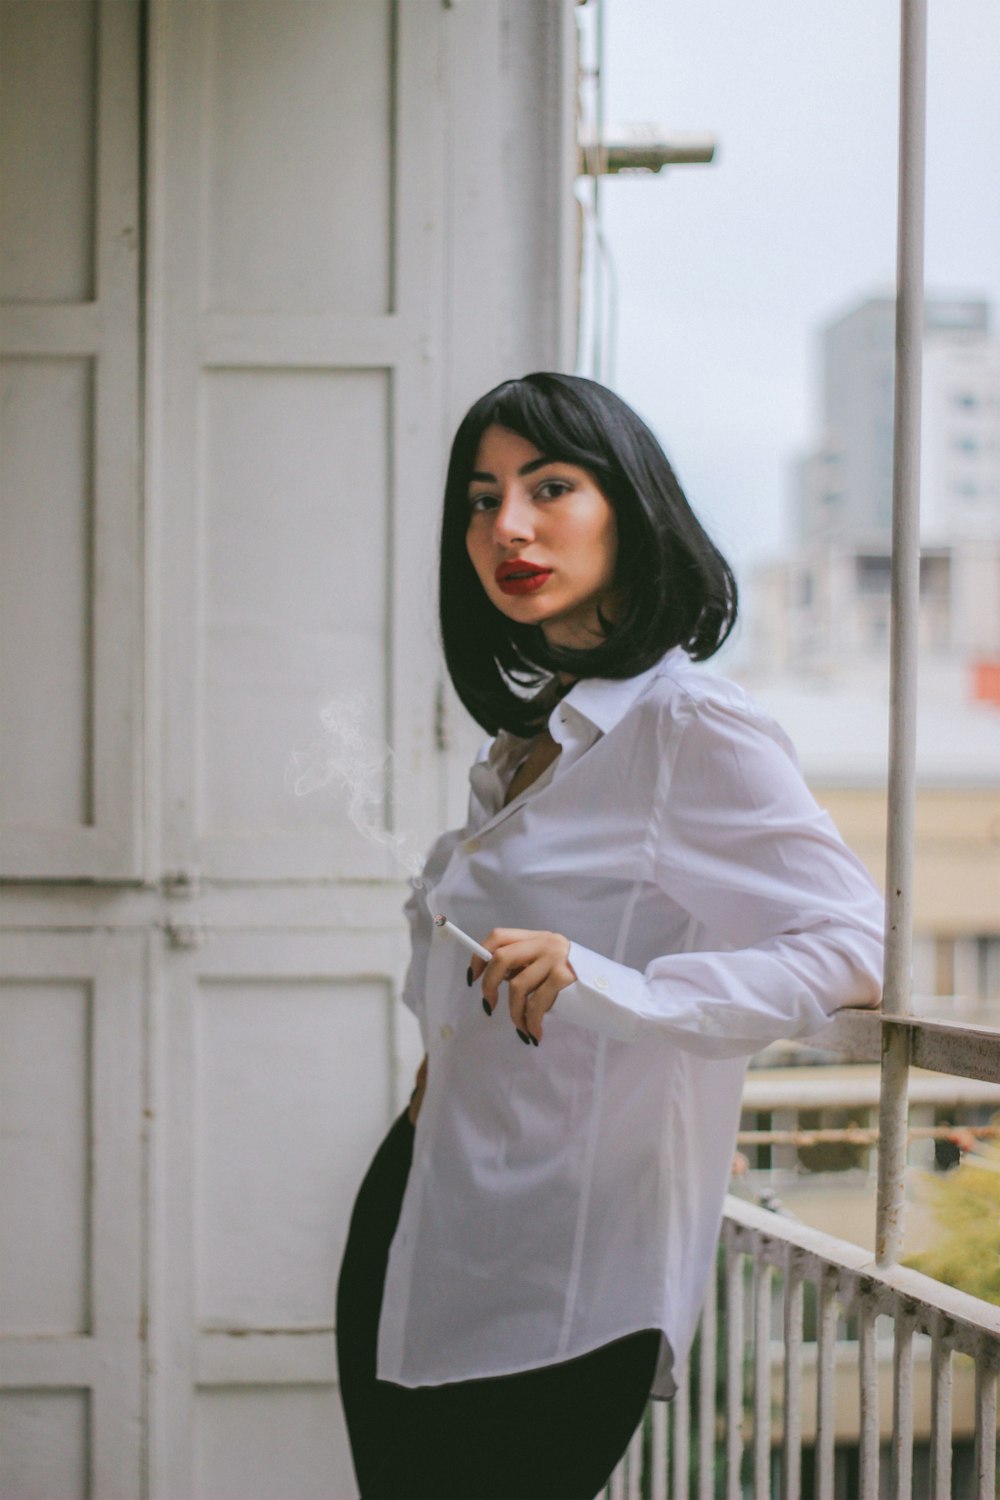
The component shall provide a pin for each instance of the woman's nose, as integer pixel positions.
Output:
(513, 520)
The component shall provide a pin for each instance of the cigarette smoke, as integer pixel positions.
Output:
(346, 757)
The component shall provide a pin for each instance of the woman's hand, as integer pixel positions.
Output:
(536, 967)
(417, 1097)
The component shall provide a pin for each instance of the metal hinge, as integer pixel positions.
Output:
(185, 934)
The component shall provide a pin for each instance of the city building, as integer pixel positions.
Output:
(830, 596)
(819, 623)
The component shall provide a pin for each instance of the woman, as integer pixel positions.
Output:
(661, 896)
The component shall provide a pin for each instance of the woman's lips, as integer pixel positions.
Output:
(512, 579)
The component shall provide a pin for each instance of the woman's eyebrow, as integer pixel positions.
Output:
(528, 468)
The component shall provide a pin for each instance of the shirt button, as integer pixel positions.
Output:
(600, 983)
(472, 846)
(446, 1032)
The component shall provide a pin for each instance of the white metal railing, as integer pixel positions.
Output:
(752, 1396)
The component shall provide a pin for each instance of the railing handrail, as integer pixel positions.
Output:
(940, 1046)
(975, 1324)
(853, 1086)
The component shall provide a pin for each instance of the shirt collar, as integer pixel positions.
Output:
(604, 701)
(592, 707)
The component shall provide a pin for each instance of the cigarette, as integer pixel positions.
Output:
(463, 938)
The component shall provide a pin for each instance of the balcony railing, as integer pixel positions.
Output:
(791, 1323)
(745, 1402)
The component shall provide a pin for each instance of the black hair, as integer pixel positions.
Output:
(677, 588)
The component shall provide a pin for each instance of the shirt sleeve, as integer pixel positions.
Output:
(786, 925)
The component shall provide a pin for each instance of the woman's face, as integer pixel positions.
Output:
(542, 538)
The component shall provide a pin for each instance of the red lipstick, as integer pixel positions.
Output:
(518, 577)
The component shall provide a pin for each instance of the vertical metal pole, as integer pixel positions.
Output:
(941, 1390)
(791, 1456)
(706, 1390)
(681, 1433)
(763, 1276)
(600, 168)
(870, 1438)
(902, 1407)
(986, 1428)
(825, 1387)
(905, 604)
(633, 1486)
(734, 1372)
(661, 1451)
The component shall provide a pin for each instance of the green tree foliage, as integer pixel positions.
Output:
(966, 1205)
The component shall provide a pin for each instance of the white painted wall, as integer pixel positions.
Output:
(227, 400)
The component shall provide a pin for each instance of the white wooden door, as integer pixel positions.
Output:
(71, 999)
(294, 475)
(70, 732)
(349, 226)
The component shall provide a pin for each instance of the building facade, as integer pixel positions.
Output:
(831, 595)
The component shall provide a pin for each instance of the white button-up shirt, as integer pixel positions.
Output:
(563, 1196)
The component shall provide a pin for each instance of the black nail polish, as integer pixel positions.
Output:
(532, 1039)
(525, 1038)
(487, 1007)
(468, 975)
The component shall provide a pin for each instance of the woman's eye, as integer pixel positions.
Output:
(480, 503)
(553, 488)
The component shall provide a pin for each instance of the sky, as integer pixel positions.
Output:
(726, 273)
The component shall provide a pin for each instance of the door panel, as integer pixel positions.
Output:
(299, 148)
(295, 591)
(279, 1442)
(46, 604)
(44, 1444)
(71, 1181)
(48, 156)
(276, 1074)
(278, 1089)
(70, 555)
(296, 394)
(44, 1171)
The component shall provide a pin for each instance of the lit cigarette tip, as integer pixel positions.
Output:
(440, 921)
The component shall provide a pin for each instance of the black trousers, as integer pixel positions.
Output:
(549, 1434)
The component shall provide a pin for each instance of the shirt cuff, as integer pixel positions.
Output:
(589, 1001)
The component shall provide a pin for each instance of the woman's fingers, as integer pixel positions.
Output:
(520, 987)
(535, 966)
(540, 1001)
(504, 964)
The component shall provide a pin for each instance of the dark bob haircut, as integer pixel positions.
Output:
(676, 587)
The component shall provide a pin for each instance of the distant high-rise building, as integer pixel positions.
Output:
(830, 599)
(846, 485)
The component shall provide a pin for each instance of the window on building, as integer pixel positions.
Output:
(935, 575)
(874, 573)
